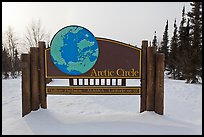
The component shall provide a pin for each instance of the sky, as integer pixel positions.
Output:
(128, 22)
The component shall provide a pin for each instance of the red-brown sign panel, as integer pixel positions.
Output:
(115, 60)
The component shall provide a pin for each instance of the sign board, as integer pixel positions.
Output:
(76, 54)
(115, 60)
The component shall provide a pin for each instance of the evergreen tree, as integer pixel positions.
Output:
(173, 54)
(164, 44)
(6, 63)
(195, 16)
(16, 62)
(183, 39)
(3, 61)
(154, 42)
(186, 53)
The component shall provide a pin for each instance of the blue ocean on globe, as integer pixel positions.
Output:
(74, 50)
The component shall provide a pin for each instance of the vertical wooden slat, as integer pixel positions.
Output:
(77, 83)
(111, 83)
(99, 81)
(159, 92)
(151, 51)
(34, 78)
(71, 82)
(123, 82)
(26, 91)
(143, 96)
(43, 95)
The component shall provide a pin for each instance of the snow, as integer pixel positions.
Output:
(104, 114)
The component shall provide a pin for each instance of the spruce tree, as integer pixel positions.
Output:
(183, 39)
(6, 63)
(186, 53)
(173, 54)
(3, 62)
(154, 41)
(16, 62)
(164, 44)
(195, 16)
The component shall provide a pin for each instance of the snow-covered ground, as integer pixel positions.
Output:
(104, 114)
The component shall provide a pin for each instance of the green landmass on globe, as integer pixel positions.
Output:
(74, 50)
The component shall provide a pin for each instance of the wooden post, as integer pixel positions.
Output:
(143, 96)
(151, 51)
(34, 78)
(26, 92)
(159, 92)
(43, 95)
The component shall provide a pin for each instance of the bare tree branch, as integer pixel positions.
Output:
(36, 33)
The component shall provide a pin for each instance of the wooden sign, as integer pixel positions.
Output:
(76, 54)
(91, 66)
(115, 60)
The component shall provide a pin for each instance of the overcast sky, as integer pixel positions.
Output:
(129, 22)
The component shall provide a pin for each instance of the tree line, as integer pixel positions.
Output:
(183, 52)
(11, 62)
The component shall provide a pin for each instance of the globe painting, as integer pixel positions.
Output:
(74, 50)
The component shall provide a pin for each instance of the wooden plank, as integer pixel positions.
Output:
(43, 95)
(92, 90)
(151, 51)
(143, 96)
(26, 92)
(159, 92)
(34, 78)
